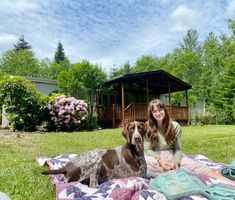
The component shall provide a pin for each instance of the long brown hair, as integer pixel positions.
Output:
(167, 125)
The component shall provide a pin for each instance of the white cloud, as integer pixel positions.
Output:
(108, 32)
(6, 38)
(7, 41)
(231, 7)
(16, 6)
(183, 18)
(165, 2)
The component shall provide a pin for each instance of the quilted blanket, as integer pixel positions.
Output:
(133, 188)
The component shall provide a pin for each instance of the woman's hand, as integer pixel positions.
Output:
(176, 165)
(166, 166)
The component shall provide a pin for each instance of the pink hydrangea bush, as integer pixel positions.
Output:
(67, 113)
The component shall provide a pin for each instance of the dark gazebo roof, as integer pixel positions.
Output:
(158, 82)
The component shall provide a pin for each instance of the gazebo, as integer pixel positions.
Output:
(128, 97)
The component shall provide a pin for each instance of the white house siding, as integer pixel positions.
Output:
(45, 86)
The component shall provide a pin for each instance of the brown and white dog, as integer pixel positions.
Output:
(100, 165)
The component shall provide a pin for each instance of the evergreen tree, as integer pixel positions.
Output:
(224, 89)
(22, 44)
(224, 94)
(190, 41)
(125, 69)
(57, 68)
(146, 63)
(21, 62)
(212, 61)
(59, 54)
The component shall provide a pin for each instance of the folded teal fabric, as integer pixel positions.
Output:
(220, 192)
(229, 172)
(178, 183)
(233, 164)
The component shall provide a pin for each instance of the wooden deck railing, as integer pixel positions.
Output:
(136, 111)
(112, 113)
(139, 112)
(178, 113)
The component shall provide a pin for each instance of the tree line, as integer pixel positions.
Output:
(209, 66)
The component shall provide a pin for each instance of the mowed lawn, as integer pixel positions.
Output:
(20, 176)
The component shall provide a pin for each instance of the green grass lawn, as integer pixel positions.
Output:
(20, 176)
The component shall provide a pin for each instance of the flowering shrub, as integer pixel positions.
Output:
(67, 114)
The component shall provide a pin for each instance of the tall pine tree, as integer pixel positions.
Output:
(22, 44)
(59, 54)
(20, 60)
(60, 63)
(190, 41)
(224, 90)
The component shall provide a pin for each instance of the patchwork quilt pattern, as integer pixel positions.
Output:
(133, 188)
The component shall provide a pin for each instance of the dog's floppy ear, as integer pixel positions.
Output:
(143, 129)
(148, 131)
(152, 135)
(125, 131)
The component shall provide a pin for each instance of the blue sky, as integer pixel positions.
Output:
(109, 32)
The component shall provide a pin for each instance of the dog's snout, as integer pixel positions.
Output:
(137, 139)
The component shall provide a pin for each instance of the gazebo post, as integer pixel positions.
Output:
(169, 99)
(97, 104)
(123, 104)
(147, 87)
(186, 94)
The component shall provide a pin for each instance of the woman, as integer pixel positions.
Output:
(163, 148)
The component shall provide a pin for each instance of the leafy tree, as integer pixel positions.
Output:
(82, 81)
(231, 26)
(190, 41)
(60, 63)
(44, 68)
(21, 62)
(151, 63)
(57, 68)
(22, 102)
(59, 54)
(224, 94)
(146, 63)
(186, 63)
(125, 69)
(212, 66)
(187, 67)
(22, 44)
(223, 91)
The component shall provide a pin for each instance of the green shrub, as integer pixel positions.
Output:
(22, 103)
(224, 117)
(204, 119)
(90, 123)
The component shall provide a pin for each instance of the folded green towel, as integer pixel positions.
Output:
(219, 192)
(179, 183)
(229, 172)
(233, 164)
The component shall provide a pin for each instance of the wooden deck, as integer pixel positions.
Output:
(139, 112)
